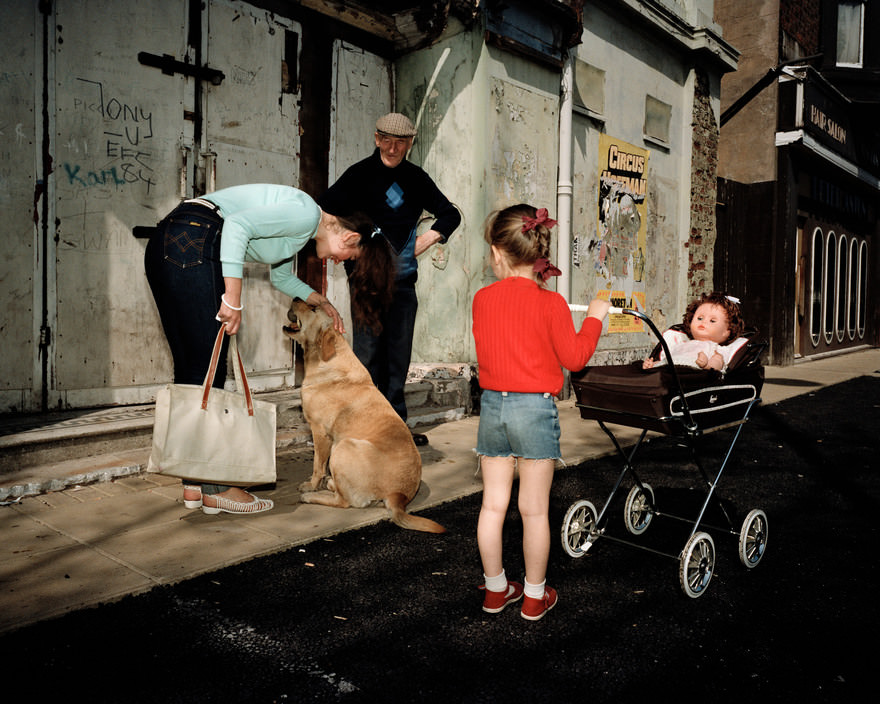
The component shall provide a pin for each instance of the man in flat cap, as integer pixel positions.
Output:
(393, 192)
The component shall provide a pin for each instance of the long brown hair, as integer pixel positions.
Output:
(371, 275)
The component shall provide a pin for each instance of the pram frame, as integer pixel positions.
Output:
(582, 525)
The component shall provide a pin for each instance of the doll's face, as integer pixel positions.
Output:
(710, 323)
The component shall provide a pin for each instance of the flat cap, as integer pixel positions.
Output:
(395, 125)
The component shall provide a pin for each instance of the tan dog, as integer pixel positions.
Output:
(359, 438)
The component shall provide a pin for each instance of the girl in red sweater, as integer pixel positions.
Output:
(524, 334)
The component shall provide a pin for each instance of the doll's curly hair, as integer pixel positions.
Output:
(734, 315)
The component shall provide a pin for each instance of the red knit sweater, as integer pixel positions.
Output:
(524, 336)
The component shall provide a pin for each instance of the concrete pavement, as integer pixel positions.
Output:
(91, 544)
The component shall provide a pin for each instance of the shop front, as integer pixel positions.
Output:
(830, 181)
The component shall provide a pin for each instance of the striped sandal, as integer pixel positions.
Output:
(229, 506)
(192, 495)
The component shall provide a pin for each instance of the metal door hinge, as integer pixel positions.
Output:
(169, 65)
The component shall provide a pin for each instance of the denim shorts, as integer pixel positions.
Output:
(518, 425)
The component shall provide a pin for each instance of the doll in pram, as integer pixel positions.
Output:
(707, 338)
(679, 401)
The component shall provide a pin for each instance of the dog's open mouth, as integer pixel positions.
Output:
(293, 326)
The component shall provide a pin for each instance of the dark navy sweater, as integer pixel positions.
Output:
(395, 200)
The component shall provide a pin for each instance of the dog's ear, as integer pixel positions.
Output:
(328, 345)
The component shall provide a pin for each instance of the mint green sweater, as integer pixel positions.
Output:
(266, 223)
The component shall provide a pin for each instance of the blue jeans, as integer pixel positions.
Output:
(182, 263)
(518, 425)
(387, 355)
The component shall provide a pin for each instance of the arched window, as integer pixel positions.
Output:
(829, 288)
(863, 289)
(816, 275)
(852, 299)
(841, 288)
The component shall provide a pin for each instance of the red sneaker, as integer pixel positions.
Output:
(534, 609)
(497, 601)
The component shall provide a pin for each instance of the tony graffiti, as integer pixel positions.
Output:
(125, 140)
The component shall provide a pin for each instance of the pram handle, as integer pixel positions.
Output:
(578, 308)
(613, 310)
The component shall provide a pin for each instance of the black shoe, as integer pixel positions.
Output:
(420, 439)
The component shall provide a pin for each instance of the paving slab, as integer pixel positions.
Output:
(86, 545)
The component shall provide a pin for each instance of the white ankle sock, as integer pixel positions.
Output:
(496, 584)
(534, 591)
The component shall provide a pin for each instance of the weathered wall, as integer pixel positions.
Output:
(362, 90)
(488, 135)
(124, 142)
(634, 66)
(436, 88)
(704, 192)
(745, 153)
(20, 314)
(127, 141)
(115, 149)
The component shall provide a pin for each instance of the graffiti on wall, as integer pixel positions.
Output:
(618, 253)
(124, 155)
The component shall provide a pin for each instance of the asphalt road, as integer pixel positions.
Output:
(382, 614)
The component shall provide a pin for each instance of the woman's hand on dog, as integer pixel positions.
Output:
(318, 301)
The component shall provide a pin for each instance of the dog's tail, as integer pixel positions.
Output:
(396, 504)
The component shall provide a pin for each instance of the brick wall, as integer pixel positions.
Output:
(704, 168)
(801, 19)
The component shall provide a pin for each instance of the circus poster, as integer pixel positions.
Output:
(619, 250)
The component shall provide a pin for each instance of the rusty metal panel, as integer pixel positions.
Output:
(253, 137)
(19, 325)
(361, 94)
(117, 148)
(255, 106)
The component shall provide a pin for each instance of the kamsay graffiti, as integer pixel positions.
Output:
(126, 138)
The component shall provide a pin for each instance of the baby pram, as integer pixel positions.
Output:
(680, 402)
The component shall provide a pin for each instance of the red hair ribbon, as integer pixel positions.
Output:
(545, 269)
(541, 218)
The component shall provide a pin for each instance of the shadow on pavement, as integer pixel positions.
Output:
(381, 614)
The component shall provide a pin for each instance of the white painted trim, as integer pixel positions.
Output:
(787, 138)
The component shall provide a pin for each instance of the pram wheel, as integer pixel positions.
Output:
(697, 564)
(579, 528)
(753, 538)
(639, 509)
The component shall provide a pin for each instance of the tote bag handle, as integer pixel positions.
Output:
(241, 382)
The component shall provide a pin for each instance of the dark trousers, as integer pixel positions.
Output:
(387, 355)
(182, 263)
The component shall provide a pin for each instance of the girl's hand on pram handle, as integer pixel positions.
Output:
(597, 309)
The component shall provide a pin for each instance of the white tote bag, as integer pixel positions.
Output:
(213, 435)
